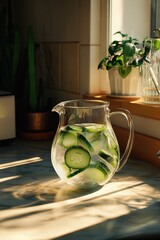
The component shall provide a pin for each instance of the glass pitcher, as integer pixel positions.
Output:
(151, 71)
(85, 151)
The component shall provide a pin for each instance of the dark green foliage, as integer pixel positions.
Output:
(10, 53)
(32, 88)
(125, 54)
(18, 67)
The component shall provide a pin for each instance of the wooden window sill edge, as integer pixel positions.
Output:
(136, 107)
(144, 147)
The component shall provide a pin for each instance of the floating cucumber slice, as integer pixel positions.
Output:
(113, 152)
(108, 157)
(82, 141)
(68, 139)
(104, 167)
(91, 136)
(77, 157)
(112, 144)
(99, 142)
(96, 173)
(75, 128)
(94, 128)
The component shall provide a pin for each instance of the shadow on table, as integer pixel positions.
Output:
(33, 181)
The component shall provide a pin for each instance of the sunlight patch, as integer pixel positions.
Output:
(20, 162)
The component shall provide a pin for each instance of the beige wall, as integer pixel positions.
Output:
(132, 17)
(76, 34)
(71, 31)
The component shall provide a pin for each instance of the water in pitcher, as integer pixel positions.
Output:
(85, 151)
(86, 154)
(151, 71)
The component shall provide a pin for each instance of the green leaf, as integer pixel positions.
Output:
(119, 60)
(32, 71)
(102, 63)
(109, 65)
(125, 53)
(115, 47)
(111, 49)
(123, 35)
(124, 71)
(129, 49)
(147, 50)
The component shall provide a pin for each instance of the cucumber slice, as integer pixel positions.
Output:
(91, 136)
(95, 128)
(77, 157)
(99, 142)
(82, 141)
(114, 152)
(105, 168)
(105, 154)
(96, 173)
(69, 139)
(111, 142)
(108, 157)
(75, 128)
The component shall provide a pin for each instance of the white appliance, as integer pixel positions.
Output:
(7, 116)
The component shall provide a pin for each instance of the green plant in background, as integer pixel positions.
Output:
(125, 54)
(35, 91)
(32, 86)
(10, 52)
(18, 66)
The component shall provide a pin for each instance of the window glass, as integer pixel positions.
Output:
(155, 15)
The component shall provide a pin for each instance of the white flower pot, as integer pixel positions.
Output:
(124, 86)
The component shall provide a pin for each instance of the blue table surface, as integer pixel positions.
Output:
(36, 205)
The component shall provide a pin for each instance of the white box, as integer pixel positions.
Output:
(7, 116)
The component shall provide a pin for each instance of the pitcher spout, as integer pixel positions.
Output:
(59, 108)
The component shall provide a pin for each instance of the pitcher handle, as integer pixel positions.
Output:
(128, 117)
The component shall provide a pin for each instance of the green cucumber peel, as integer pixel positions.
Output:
(68, 139)
(108, 157)
(94, 128)
(77, 157)
(76, 128)
(97, 173)
(75, 173)
(82, 141)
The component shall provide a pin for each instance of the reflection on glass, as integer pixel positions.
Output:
(151, 72)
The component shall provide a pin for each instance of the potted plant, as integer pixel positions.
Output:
(123, 63)
(19, 76)
(35, 120)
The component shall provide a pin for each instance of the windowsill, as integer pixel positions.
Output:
(137, 107)
(146, 116)
(141, 141)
